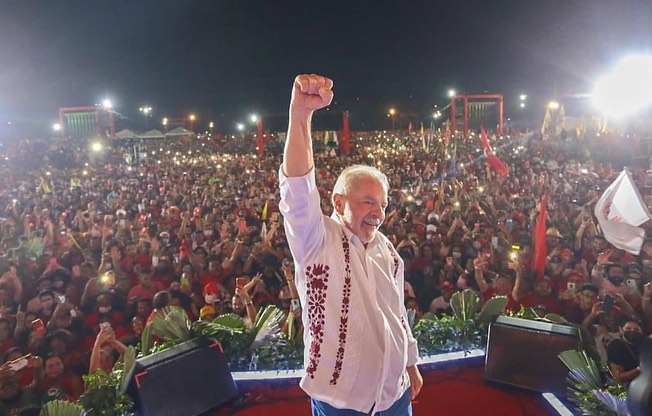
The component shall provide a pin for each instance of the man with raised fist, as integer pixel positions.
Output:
(360, 355)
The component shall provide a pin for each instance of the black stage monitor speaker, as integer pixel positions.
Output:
(185, 380)
(523, 353)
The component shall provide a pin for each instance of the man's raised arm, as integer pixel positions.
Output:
(309, 93)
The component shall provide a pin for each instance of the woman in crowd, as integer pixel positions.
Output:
(57, 382)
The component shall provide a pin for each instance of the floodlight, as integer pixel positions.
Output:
(627, 89)
(553, 105)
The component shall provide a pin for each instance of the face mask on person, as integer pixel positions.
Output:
(633, 337)
(477, 245)
(616, 280)
(59, 284)
(457, 255)
(208, 233)
(210, 299)
(104, 309)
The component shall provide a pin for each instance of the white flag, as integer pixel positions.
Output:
(263, 231)
(620, 210)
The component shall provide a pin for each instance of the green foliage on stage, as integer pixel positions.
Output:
(105, 392)
(262, 347)
(465, 330)
(171, 325)
(61, 408)
(265, 346)
(592, 389)
(436, 335)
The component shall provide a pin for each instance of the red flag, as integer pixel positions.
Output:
(540, 246)
(447, 136)
(259, 138)
(345, 136)
(184, 250)
(492, 159)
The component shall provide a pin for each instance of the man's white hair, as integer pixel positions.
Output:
(350, 175)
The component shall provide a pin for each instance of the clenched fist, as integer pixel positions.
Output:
(311, 92)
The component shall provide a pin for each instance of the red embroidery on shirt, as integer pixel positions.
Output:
(395, 258)
(344, 317)
(316, 284)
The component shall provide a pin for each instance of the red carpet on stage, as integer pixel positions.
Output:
(453, 390)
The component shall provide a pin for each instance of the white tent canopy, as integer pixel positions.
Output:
(152, 134)
(126, 134)
(179, 131)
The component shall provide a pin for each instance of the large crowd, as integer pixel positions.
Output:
(92, 246)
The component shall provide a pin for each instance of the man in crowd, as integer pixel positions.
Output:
(349, 277)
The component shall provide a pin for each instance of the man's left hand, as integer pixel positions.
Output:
(416, 381)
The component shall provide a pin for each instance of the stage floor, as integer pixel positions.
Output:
(455, 389)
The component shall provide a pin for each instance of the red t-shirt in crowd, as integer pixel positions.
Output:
(551, 304)
(138, 292)
(6, 345)
(209, 278)
(512, 305)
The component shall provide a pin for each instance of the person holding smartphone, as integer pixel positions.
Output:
(579, 307)
(13, 396)
(101, 354)
(614, 283)
(241, 302)
(360, 355)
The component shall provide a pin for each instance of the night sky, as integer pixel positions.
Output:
(226, 59)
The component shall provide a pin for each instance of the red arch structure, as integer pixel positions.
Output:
(490, 100)
(66, 113)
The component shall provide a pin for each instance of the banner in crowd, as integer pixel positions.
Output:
(620, 210)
